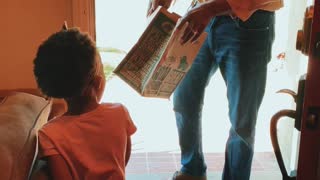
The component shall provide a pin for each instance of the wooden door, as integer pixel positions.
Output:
(309, 151)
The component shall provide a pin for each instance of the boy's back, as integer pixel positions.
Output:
(93, 144)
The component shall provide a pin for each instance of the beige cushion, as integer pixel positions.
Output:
(58, 108)
(21, 116)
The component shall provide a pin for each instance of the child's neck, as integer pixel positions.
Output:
(79, 106)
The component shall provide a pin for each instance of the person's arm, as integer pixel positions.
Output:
(58, 168)
(199, 17)
(128, 150)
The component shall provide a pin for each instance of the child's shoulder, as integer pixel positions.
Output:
(114, 106)
(111, 105)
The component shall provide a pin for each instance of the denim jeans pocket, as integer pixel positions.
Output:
(258, 21)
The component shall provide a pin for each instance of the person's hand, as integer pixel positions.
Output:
(196, 20)
(153, 4)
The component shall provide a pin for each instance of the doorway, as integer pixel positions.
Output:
(119, 26)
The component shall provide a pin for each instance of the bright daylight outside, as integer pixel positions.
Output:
(119, 25)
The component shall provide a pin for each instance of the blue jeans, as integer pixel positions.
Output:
(241, 51)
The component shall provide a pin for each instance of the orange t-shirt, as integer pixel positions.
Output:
(92, 144)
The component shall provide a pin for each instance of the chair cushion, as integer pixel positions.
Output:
(21, 116)
(59, 106)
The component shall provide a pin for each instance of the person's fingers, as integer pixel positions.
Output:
(181, 22)
(197, 32)
(149, 8)
(187, 34)
(166, 4)
(195, 36)
(155, 4)
(150, 11)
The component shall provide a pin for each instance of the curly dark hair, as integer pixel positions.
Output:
(64, 63)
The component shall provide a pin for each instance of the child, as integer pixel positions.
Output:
(91, 141)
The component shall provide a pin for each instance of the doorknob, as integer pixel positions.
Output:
(312, 120)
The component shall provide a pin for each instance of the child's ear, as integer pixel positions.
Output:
(99, 84)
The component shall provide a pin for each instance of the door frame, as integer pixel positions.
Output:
(83, 16)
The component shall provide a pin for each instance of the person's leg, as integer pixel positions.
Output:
(243, 52)
(188, 102)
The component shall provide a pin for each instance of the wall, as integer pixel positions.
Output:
(24, 25)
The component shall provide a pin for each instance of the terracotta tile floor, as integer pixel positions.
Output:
(167, 162)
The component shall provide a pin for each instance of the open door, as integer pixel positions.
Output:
(309, 151)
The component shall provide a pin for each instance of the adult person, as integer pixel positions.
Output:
(239, 43)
